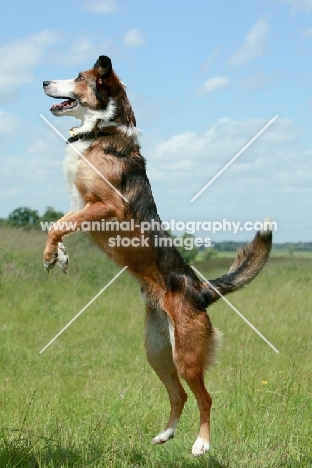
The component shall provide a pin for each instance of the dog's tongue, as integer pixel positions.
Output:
(67, 103)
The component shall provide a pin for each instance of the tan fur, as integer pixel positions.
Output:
(180, 339)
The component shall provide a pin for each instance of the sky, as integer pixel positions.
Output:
(203, 78)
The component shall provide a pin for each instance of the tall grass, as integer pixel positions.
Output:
(91, 400)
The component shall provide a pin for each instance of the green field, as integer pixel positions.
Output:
(91, 400)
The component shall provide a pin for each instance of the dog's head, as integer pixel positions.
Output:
(96, 96)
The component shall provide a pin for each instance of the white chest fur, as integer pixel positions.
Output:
(71, 166)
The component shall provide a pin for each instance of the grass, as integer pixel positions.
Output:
(91, 400)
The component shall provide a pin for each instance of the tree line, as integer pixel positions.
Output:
(27, 218)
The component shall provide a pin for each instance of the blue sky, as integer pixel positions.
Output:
(203, 78)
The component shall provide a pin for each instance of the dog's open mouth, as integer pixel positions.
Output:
(64, 105)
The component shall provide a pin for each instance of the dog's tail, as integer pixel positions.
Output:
(248, 263)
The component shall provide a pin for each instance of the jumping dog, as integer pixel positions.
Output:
(107, 181)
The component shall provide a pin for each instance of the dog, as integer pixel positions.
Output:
(107, 181)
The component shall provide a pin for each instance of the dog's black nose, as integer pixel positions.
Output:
(46, 83)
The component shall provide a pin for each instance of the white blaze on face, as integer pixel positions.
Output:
(61, 88)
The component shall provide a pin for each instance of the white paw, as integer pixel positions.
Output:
(200, 447)
(62, 258)
(164, 436)
(48, 265)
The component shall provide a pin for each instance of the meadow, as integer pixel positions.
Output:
(91, 399)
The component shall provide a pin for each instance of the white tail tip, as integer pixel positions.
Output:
(266, 226)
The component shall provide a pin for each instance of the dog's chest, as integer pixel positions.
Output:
(71, 167)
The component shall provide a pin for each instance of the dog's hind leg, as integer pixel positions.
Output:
(204, 402)
(194, 340)
(159, 355)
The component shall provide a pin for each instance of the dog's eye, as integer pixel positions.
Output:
(79, 78)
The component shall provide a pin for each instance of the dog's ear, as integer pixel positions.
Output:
(104, 66)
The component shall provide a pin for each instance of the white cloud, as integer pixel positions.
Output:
(282, 131)
(100, 6)
(30, 179)
(307, 33)
(254, 44)
(46, 154)
(133, 38)
(301, 5)
(9, 123)
(18, 58)
(273, 176)
(212, 57)
(31, 182)
(211, 85)
(85, 49)
(260, 80)
(252, 186)
(224, 139)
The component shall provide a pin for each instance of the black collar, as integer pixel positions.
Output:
(87, 136)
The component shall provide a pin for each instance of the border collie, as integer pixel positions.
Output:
(107, 181)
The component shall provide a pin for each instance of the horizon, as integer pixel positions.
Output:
(190, 229)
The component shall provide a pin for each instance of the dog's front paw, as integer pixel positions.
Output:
(49, 260)
(62, 260)
(59, 258)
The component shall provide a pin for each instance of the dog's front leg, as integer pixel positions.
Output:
(54, 253)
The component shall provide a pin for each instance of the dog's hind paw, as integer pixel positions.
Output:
(62, 260)
(200, 447)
